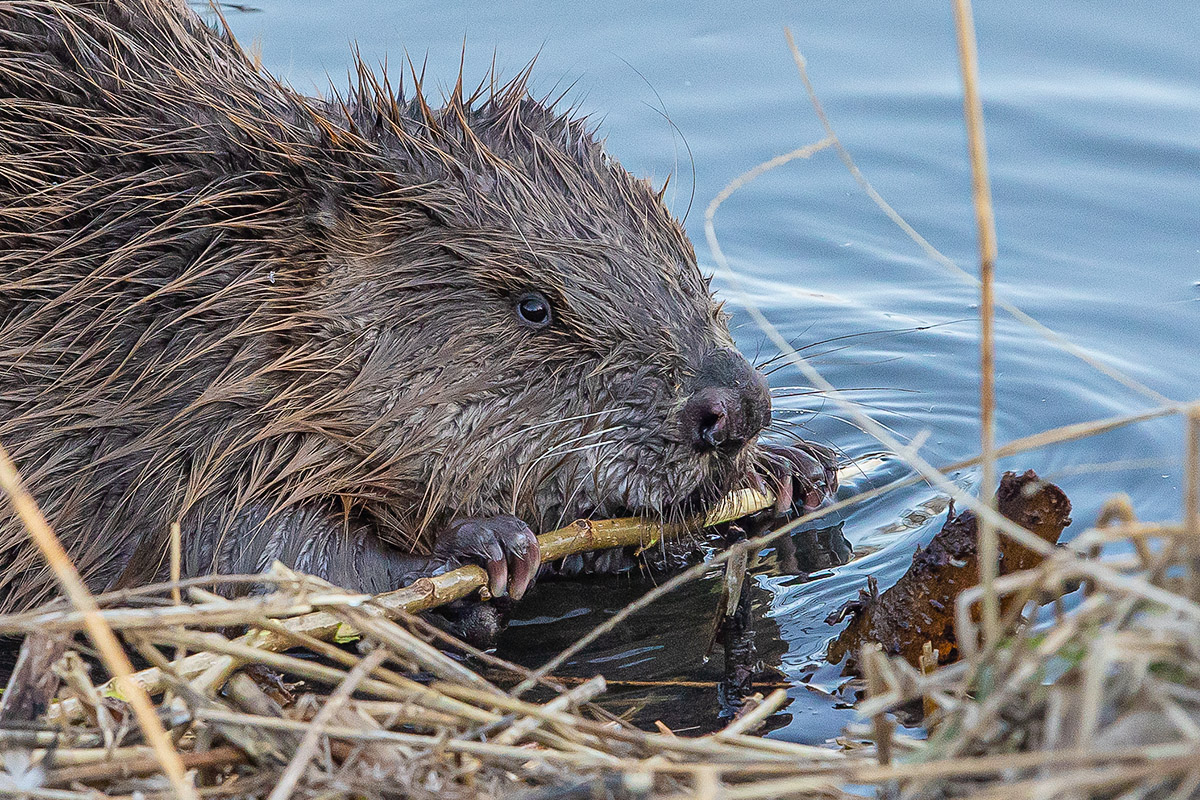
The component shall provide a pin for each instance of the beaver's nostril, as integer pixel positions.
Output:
(711, 433)
(711, 419)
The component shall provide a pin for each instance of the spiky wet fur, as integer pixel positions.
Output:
(219, 295)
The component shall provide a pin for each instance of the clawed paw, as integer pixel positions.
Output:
(803, 476)
(503, 545)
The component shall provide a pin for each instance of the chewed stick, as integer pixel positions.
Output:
(423, 594)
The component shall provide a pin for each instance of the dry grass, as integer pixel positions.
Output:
(1103, 701)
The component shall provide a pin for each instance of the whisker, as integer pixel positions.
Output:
(527, 469)
(882, 333)
(791, 342)
(528, 428)
(875, 407)
(574, 450)
(804, 391)
(857, 427)
(810, 412)
(566, 443)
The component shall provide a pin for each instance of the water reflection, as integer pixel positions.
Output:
(809, 551)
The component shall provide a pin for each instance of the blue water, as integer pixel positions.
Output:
(1093, 125)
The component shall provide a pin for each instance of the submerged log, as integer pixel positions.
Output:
(919, 608)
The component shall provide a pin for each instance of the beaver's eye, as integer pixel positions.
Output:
(534, 310)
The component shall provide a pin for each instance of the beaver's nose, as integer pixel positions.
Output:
(729, 405)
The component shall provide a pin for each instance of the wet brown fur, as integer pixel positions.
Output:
(218, 295)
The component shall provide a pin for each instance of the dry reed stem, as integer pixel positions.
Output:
(100, 764)
(1191, 495)
(506, 752)
(389, 685)
(312, 737)
(98, 631)
(752, 719)
(712, 746)
(583, 693)
(735, 753)
(989, 545)
(176, 562)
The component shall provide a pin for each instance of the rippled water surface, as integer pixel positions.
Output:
(1093, 114)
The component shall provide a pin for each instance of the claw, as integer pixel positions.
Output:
(783, 497)
(503, 545)
(497, 577)
(525, 565)
(806, 476)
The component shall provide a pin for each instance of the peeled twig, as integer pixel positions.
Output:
(124, 762)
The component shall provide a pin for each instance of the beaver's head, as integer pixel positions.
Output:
(542, 340)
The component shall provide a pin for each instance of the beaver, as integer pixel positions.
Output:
(367, 336)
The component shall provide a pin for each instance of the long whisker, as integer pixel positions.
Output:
(558, 451)
(804, 391)
(855, 425)
(558, 448)
(872, 406)
(882, 333)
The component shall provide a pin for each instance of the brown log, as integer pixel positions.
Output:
(919, 608)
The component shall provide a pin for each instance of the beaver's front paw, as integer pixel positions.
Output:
(803, 476)
(503, 545)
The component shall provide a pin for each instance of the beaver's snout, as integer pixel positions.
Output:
(729, 405)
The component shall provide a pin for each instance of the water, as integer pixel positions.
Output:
(1093, 114)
